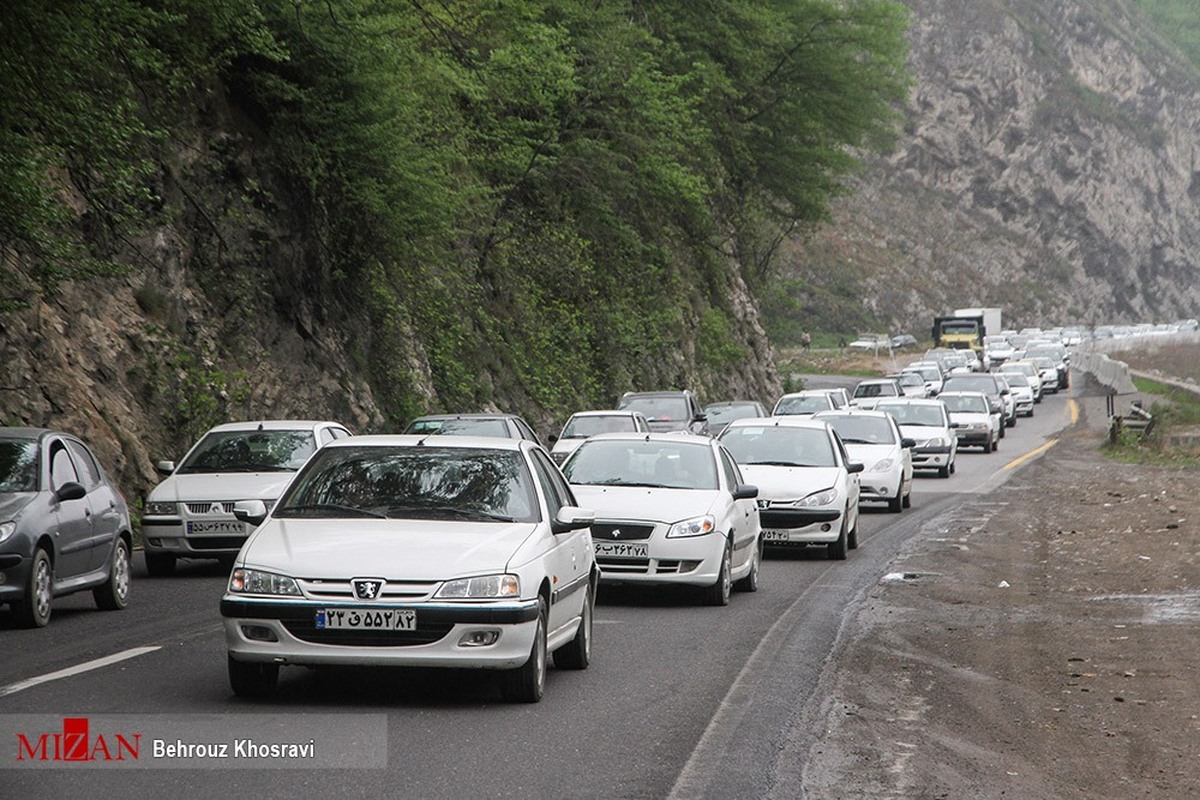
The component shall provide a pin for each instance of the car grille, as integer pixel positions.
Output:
(216, 542)
(424, 634)
(620, 531)
(392, 590)
(205, 507)
(644, 566)
(786, 518)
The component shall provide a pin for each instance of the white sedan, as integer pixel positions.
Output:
(670, 509)
(874, 439)
(434, 551)
(927, 423)
(807, 485)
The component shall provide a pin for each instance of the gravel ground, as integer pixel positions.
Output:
(1038, 642)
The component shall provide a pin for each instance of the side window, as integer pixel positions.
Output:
(61, 469)
(558, 494)
(89, 470)
(341, 433)
(325, 436)
(526, 431)
(733, 477)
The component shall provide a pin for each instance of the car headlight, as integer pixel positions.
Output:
(883, 466)
(253, 581)
(484, 587)
(697, 526)
(161, 509)
(937, 441)
(7, 529)
(825, 497)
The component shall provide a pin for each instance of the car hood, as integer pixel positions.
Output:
(640, 502)
(922, 433)
(787, 483)
(969, 417)
(12, 504)
(870, 454)
(419, 550)
(221, 486)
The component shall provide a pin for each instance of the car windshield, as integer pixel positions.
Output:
(18, 465)
(924, 415)
(972, 403)
(722, 414)
(250, 451)
(461, 426)
(862, 430)
(413, 482)
(779, 446)
(658, 408)
(972, 383)
(1015, 379)
(808, 404)
(654, 463)
(583, 427)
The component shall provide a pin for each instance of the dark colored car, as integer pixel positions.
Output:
(64, 527)
(673, 411)
(500, 426)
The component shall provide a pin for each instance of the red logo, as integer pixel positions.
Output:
(75, 743)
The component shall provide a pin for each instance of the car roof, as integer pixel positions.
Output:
(611, 412)
(912, 401)
(732, 403)
(963, 394)
(272, 425)
(781, 421)
(666, 438)
(851, 412)
(472, 415)
(432, 440)
(23, 433)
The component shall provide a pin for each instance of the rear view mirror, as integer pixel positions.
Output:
(70, 491)
(572, 518)
(164, 467)
(252, 512)
(745, 492)
(855, 466)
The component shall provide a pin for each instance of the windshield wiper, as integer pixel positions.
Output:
(846, 440)
(361, 512)
(470, 514)
(776, 463)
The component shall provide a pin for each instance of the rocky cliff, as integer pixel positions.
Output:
(1049, 165)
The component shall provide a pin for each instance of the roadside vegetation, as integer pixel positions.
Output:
(1174, 439)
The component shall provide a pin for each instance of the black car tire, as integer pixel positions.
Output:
(577, 653)
(944, 472)
(160, 565)
(895, 504)
(527, 683)
(718, 593)
(852, 536)
(836, 551)
(113, 594)
(33, 611)
(750, 582)
(252, 678)
(907, 500)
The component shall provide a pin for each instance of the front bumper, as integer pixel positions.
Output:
(800, 527)
(441, 629)
(930, 457)
(171, 535)
(690, 561)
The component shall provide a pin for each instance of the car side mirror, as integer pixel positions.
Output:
(572, 518)
(908, 443)
(855, 466)
(252, 512)
(70, 491)
(164, 467)
(701, 417)
(745, 492)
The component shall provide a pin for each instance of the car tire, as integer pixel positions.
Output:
(907, 503)
(160, 565)
(113, 594)
(577, 653)
(718, 593)
(852, 536)
(944, 472)
(750, 582)
(836, 551)
(252, 678)
(995, 445)
(895, 504)
(1013, 422)
(33, 610)
(527, 683)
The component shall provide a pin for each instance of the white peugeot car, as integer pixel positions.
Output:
(927, 423)
(873, 438)
(974, 423)
(431, 551)
(670, 509)
(807, 485)
(583, 424)
(190, 514)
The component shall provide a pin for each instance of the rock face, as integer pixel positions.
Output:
(1049, 165)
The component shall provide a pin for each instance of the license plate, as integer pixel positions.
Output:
(622, 549)
(366, 619)
(775, 536)
(217, 526)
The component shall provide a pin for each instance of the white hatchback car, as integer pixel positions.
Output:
(807, 485)
(670, 509)
(927, 423)
(190, 514)
(873, 438)
(583, 424)
(431, 551)
(974, 420)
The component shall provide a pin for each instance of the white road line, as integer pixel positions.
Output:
(78, 669)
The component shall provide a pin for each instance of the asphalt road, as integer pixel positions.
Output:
(681, 700)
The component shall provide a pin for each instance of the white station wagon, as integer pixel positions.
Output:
(432, 551)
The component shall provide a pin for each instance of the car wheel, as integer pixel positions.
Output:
(750, 582)
(577, 653)
(113, 594)
(1012, 423)
(527, 683)
(852, 536)
(944, 472)
(33, 611)
(895, 503)
(836, 551)
(160, 565)
(995, 445)
(907, 500)
(1003, 428)
(252, 678)
(718, 593)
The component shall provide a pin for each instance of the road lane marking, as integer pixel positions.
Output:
(1073, 410)
(78, 669)
(1036, 452)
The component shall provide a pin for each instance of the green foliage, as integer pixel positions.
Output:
(194, 393)
(1178, 22)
